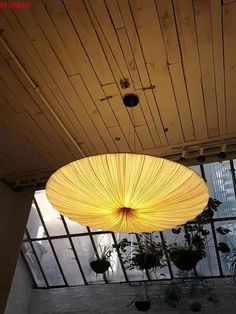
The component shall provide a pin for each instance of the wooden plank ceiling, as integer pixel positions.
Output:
(62, 63)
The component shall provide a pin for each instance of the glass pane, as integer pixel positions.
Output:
(75, 227)
(230, 240)
(197, 169)
(159, 272)
(51, 216)
(208, 266)
(134, 274)
(68, 262)
(220, 184)
(48, 262)
(116, 274)
(34, 225)
(85, 253)
(30, 257)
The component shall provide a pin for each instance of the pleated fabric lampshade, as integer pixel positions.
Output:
(126, 192)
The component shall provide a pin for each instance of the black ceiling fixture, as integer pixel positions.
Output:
(130, 100)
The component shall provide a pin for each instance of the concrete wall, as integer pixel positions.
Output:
(113, 299)
(14, 211)
(21, 289)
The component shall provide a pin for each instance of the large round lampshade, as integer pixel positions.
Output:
(127, 192)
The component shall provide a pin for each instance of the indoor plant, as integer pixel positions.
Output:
(186, 255)
(172, 295)
(145, 253)
(101, 263)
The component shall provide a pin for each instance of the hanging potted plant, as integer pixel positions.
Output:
(144, 254)
(195, 306)
(172, 295)
(142, 301)
(186, 256)
(101, 263)
(143, 305)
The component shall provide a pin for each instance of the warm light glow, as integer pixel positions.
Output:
(127, 192)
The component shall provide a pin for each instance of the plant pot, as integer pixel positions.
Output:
(143, 306)
(100, 266)
(147, 261)
(185, 259)
(196, 307)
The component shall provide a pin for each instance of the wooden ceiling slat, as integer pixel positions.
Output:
(49, 29)
(89, 39)
(8, 114)
(144, 137)
(179, 86)
(7, 166)
(38, 139)
(67, 32)
(138, 117)
(56, 70)
(149, 95)
(167, 21)
(10, 97)
(189, 50)
(68, 35)
(109, 39)
(25, 51)
(129, 57)
(59, 132)
(23, 48)
(149, 118)
(123, 117)
(121, 142)
(168, 27)
(229, 20)
(228, 1)
(17, 88)
(115, 14)
(78, 132)
(11, 146)
(144, 77)
(204, 38)
(102, 24)
(49, 130)
(91, 109)
(155, 57)
(217, 38)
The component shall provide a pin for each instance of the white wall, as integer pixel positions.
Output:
(113, 299)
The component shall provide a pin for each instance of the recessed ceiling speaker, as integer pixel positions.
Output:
(130, 100)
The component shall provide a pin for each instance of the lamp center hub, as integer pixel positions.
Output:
(126, 211)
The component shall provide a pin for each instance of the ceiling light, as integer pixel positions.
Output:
(201, 157)
(127, 192)
(222, 153)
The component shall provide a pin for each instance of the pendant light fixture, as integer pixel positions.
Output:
(127, 192)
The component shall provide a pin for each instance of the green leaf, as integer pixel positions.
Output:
(223, 247)
(223, 231)
(176, 231)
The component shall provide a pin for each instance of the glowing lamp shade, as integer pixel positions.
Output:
(127, 192)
